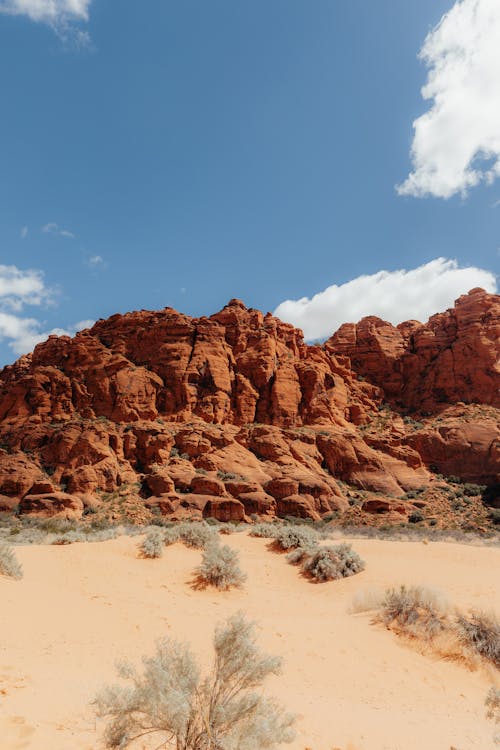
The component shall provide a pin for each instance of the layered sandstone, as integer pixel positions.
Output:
(234, 415)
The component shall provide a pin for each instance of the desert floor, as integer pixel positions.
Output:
(355, 686)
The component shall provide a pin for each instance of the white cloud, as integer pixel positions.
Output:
(53, 228)
(456, 143)
(392, 295)
(24, 232)
(48, 11)
(19, 289)
(25, 333)
(95, 261)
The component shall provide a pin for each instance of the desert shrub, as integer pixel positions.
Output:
(298, 555)
(226, 476)
(414, 609)
(264, 530)
(70, 538)
(481, 633)
(170, 536)
(219, 567)
(172, 701)
(197, 534)
(493, 709)
(287, 537)
(416, 517)
(9, 564)
(332, 562)
(495, 516)
(152, 544)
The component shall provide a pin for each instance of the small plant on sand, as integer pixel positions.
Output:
(219, 567)
(152, 544)
(170, 700)
(197, 534)
(416, 610)
(170, 536)
(493, 709)
(481, 633)
(9, 564)
(332, 562)
(289, 537)
(264, 530)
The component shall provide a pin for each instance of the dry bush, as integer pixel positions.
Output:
(170, 536)
(332, 562)
(480, 632)
(198, 534)
(219, 567)
(288, 537)
(152, 544)
(9, 564)
(264, 530)
(298, 555)
(172, 702)
(493, 709)
(415, 610)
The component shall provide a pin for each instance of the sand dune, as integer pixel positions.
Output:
(355, 686)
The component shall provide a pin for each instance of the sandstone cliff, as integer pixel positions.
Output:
(234, 415)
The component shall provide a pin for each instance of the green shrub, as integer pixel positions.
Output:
(495, 516)
(172, 703)
(332, 562)
(152, 544)
(9, 564)
(416, 517)
(219, 567)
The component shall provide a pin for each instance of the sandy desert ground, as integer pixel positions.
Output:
(355, 686)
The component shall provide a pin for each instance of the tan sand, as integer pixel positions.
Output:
(354, 685)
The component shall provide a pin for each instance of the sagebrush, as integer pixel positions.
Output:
(152, 544)
(332, 562)
(288, 537)
(481, 633)
(172, 701)
(9, 564)
(219, 567)
(418, 610)
(198, 534)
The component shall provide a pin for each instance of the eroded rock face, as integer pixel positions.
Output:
(455, 356)
(234, 415)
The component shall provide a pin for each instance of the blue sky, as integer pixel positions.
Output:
(185, 152)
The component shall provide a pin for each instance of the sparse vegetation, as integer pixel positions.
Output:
(493, 709)
(264, 530)
(332, 562)
(416, 610)
(219, 567)
(172, 702)
(9, 564)
(152, 544)
(198, 534)
(288, 537)
(424, 614)
(481, 633)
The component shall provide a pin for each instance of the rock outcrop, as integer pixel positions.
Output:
(234, 415)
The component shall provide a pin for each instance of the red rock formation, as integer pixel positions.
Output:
(235, 415)
(454, 357)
